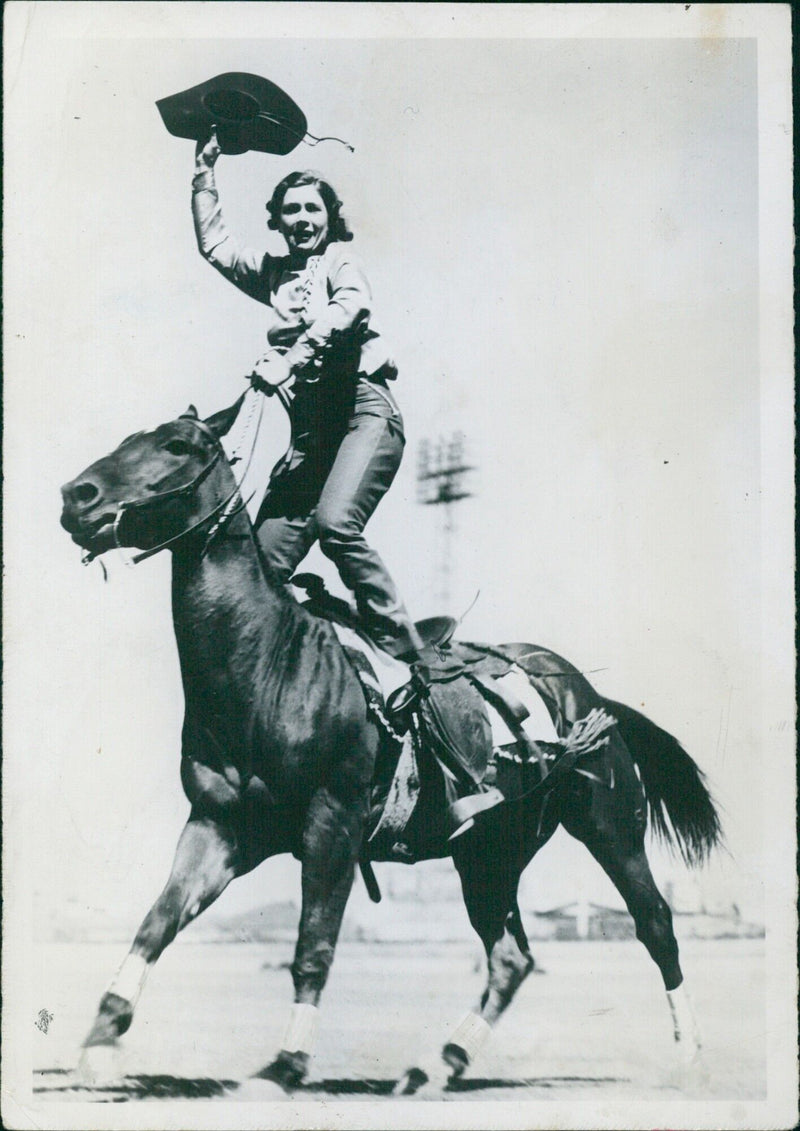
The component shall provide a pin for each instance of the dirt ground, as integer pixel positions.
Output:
(592, 1023)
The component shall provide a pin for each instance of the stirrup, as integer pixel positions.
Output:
(462, 813)
(423, 674)
(402, 698)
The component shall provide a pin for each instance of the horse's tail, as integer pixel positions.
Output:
(681, 809)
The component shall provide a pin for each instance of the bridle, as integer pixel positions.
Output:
(220, 512)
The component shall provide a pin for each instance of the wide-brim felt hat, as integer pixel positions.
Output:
(249, 112)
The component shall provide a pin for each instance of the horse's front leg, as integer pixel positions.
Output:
(205, 862)
(331, 843)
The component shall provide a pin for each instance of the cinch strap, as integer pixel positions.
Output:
(471, 1034)
(302, 1028)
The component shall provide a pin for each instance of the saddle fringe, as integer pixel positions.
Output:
(589, 733)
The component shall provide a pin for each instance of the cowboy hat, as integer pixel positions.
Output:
(249, 112)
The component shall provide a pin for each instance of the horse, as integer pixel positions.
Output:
(279, 750)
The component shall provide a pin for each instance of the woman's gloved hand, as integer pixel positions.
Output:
(269, 372)
(207, 152)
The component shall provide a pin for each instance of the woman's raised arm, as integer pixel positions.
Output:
(241, 265)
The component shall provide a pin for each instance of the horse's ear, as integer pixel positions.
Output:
(222, 422)
(191, 412)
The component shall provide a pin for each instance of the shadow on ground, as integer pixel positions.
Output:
(58, 1083)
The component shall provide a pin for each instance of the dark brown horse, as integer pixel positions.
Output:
(279, 752)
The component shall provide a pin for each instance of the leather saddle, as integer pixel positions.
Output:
(447, 711)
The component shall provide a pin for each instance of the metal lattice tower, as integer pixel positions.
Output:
(441, 472)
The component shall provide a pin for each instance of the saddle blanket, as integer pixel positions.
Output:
(391, 674)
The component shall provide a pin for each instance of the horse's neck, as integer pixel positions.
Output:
(227, 615)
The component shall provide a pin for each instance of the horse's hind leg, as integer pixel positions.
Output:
(490, 871)
(490, 860)
(204, 865)
(611, 823)
(653, 921)
(509, 963)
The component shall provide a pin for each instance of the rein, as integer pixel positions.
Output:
(140, 557)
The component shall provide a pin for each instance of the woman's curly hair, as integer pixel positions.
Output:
(337, 225)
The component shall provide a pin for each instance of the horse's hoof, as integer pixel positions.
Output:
(411, 1082)
(423, 1081)
(288, 1070)
(456, 1058)
(691, 1074)
(99, 1064)
(259, 1090)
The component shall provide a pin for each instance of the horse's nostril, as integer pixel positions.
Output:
(83, 493)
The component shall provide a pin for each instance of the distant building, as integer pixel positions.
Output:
(579, 920)
(593, 922)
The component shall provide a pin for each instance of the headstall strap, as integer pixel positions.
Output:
(175, 493)
(221, 512)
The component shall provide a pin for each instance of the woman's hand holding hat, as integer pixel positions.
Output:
(206, 152)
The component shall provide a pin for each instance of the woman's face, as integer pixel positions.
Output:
(303, 220)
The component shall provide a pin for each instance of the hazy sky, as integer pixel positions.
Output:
(562, 237)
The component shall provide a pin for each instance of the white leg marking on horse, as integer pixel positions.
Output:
(687, 1035)
(301, 1031)
(471, 1034)
(260, 1092)
(99, 1064)
(130, 978)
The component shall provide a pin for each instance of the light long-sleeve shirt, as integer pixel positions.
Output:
(311, 306)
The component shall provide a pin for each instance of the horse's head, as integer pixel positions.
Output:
(149, 490)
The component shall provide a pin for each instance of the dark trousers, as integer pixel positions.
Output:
(326, 491)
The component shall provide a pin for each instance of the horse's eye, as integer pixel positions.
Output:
(178, 448)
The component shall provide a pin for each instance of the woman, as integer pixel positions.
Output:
(347, 432)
